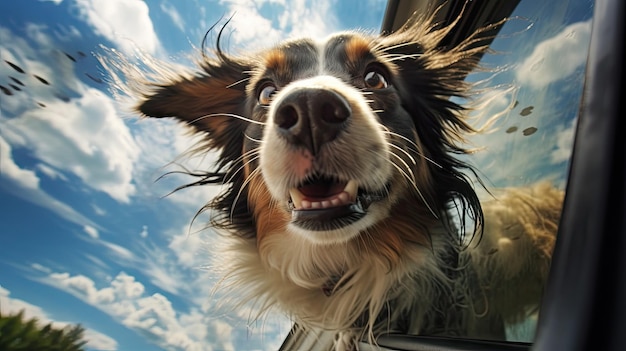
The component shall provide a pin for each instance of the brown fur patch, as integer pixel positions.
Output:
(208, 93)
(408, 224)
(275, 60)
(514, 254)
(200, 102)
(269, 218)
(356, 48)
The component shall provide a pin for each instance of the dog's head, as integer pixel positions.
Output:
(351, 137)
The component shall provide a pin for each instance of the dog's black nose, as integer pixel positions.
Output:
(311, 117)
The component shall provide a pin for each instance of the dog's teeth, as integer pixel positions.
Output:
(343, 197)
(298, 199)
(347, 196)
(351, 188)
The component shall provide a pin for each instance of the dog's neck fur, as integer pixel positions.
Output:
(288, 271)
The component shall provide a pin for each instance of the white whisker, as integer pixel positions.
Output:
(408, 169)
(403, 151)
(237, 82)
(393, 47)
(415, 187)
(227, 115)
(395, 57)
(252, 139)
(253, 174)
(412, 143)
(254, 152)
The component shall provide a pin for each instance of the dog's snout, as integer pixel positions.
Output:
(311, 117)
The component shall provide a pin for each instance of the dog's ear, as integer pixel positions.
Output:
(425, 44)
(212, 101)
(432, 67)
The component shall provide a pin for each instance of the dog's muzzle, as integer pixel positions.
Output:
(309, 118)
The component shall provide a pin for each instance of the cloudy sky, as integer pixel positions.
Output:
(87, 233)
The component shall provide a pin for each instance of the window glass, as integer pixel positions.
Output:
(86, 233)
(534, 81)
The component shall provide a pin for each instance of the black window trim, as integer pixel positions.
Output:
(584, 307)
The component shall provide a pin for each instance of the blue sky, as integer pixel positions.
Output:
(87, 234)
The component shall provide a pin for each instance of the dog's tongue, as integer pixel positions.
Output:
(321, 190)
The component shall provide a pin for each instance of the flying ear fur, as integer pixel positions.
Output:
(426, 64)
(211, 101)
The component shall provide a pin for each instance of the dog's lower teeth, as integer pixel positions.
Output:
(344, 197)
(348, 196)
(340, 199)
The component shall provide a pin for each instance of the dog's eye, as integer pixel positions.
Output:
(265, 94)
(375, 80)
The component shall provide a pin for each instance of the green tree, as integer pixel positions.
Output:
(16, 333)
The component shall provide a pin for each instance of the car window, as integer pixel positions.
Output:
(539, 59)
(88, 235)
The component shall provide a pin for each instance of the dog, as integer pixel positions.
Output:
(345, 204)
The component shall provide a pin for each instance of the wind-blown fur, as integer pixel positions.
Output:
(395, 257)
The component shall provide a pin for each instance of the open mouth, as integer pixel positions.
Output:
(324, 203)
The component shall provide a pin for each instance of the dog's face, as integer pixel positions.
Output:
(329, 140)
(335, 141)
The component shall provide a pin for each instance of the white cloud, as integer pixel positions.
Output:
(42, 60)
(56, 2)
(98, 210)
(127, 300)
(24, 183)
(298, 18)
(50, 172)
(250, 27)
(174, 15)
(188, 248)
(36, 32)
(309, 18)
(549, 71)
(120, 252)
(556, 57)
(85, 137)
(82, 136)
(564, 143)
(40, 268)
(97, 262)
(95, 340)
(91, 231)
(513, 159)
(165, 146)
(9, 169)
(99, 341)
(41, 198)
(127, 23)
